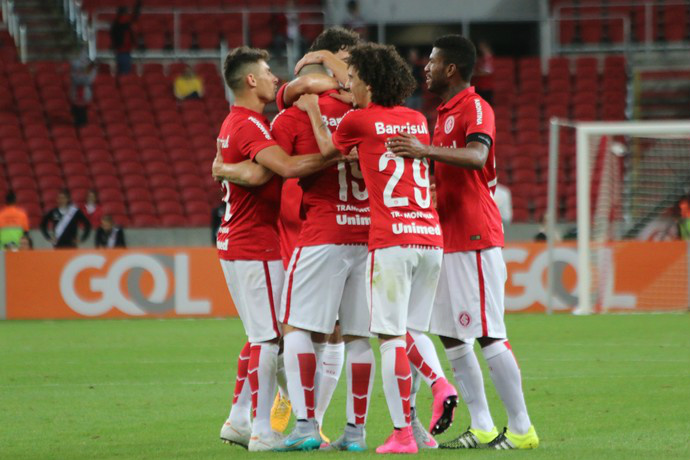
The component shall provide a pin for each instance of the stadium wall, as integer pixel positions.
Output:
(201, 236)
(188, 282)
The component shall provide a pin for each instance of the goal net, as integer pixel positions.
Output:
(621, 182)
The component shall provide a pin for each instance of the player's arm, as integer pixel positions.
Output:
(275, 159)
(329, 60)
(309, 103)
(245, 173)
(308, 84)
(472, 156)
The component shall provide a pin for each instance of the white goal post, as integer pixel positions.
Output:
(586, 137)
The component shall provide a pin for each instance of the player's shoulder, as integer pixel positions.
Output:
(288, 116)
(411, 113)
(252, 125)
(352, 116)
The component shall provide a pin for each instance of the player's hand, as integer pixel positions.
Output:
(407, 146)
(344, 96)
(307, 101)
(315, 57)
(217, 166)
(352, 156)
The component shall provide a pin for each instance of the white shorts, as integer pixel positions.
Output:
(401, 285)
(324, 283)
(469, 300)
(255, 287)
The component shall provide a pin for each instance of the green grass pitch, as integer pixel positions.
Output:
(598, 387)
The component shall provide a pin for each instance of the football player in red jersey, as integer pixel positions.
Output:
(329, 49)
(331, 250)
(248, 244)
(471, 289)
(405, 239)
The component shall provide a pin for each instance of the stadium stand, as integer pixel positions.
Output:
(602, 22)
(583, 88)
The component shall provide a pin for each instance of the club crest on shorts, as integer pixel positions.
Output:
(449, 125)
(464, 319)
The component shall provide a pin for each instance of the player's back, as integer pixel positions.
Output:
(399, 195)
(335, 204)
(249, 227)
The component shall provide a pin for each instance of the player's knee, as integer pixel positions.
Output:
(486, 341)
(449, 342)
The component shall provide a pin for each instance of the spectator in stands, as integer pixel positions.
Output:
(108, 235)
(417, 66)
(26, 243)
(354, 20)
(82, 75)
(216, 219)
(482, 78)
(122, 37)
(188, 85)
(92, 209)
(14, 223)
(61, 224)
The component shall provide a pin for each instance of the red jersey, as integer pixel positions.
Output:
(401, 211)
(335, 204)
(279, 98)
(290, 222)
(249, 230)
(469, 215)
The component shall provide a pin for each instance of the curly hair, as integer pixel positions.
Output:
(334, 39)
(456, 49)
(235, 66)
(382, 68)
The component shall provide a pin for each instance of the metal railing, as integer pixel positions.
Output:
(624, 46)
(293, 20)
(16, 29)
(646, 43)
(78, 19)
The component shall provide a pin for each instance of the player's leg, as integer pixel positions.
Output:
(255, 286)
(329, 360)
(307, 308)
(503, 368)
(360, 366)
(422, 437)
(456, 318)
(237, 427)
(421, 349)
(388, 293)
(282, 407)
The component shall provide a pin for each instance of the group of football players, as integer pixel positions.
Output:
(332, 235)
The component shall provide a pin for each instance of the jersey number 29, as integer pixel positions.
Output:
(421, 193)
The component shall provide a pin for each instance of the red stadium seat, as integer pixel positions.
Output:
(134, 180)
(141, 207)
(145, 220)
(173, 220)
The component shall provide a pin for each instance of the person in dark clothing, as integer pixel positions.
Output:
(60, 225)
(122, 37)
(216, 219)
(108, 235)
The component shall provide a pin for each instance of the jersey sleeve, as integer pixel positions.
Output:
(346, 134)
(480, 120)
(284, 132)
(253, 137)
(280, 102)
